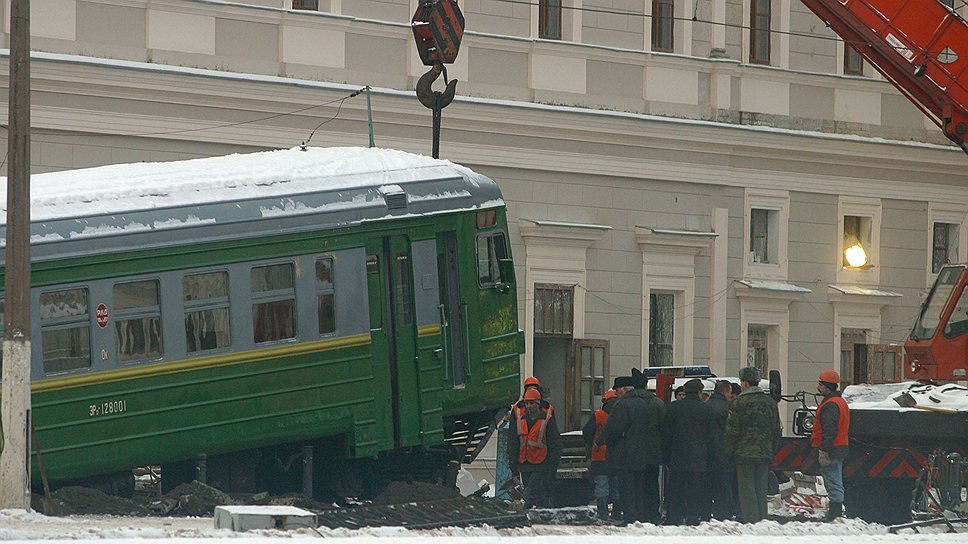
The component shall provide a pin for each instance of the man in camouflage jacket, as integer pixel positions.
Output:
(752, 437)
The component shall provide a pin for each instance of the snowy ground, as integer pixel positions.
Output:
(21, 526)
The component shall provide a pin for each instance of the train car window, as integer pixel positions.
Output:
(65, 324)
(402, 288)
(491, 248)
(206, 299)
(137, 329)
(273, 303)
(325, 296)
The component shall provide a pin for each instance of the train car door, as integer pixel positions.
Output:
(452, 323)
(394, 275)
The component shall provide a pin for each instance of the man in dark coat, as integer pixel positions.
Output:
(689, 434)
(534, 451)
(722, 476)
(634, 439)
(752, 437)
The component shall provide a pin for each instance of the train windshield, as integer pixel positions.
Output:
(934, 306)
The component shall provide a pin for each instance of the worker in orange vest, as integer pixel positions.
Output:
(531, 383)
(534, 450)
(830, 429)
(598, 469)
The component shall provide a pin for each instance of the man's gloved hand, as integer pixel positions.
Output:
(823, 458)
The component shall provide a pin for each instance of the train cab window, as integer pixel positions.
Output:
(491, 249)
(325, 296)
(206, 298)
(137, 329)
(273, 303)
(65, 323)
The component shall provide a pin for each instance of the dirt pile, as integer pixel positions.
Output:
(405, 492)
(68, 501)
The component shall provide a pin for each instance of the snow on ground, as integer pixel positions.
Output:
(881, 397)
(17, 525)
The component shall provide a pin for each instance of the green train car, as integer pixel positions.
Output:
(242, 308)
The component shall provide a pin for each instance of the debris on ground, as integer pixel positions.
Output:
(451, 512)
(406, 492)
(68, 501)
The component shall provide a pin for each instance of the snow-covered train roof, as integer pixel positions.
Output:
(144, 204)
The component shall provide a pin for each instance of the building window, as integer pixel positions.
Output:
(853, 62)
(65, 324)
(312, 5)
(206, 298)
(549, 19)
(663, 18)
(853, 355)
(137, 331)
(491, 250)
(273, 303)
(857, 242)
(758, 348)
(662, 318)
(764, 231)
(325, 296)
(944, 246)
(760, 31)
(554, 308)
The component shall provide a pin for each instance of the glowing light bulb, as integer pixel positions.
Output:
(856, 256)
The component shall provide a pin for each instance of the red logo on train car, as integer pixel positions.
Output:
(101, 315)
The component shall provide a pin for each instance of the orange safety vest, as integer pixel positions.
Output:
(534, 444)
(598, 452)
(843, 424)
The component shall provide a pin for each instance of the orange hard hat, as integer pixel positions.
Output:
(532, 394)
(830, 376)
(532, 381)
(610, 394)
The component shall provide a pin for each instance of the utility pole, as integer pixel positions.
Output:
(15, 403)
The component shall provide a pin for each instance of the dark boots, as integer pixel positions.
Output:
(602, 505)
(836, 510)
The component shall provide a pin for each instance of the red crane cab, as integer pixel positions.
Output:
(937, 349)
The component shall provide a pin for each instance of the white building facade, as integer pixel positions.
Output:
(682, 178)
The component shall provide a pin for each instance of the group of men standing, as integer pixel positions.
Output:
(716, 452)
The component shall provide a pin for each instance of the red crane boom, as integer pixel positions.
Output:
(921, 46)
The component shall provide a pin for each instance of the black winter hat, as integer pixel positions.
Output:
(639, 380)
(622, 381)
(692, 386)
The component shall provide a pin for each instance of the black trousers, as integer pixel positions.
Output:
(687, 498)
(537, 487)
(723, 493)
(639, 493)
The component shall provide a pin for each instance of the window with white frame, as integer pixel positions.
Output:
(944, 245)
(760, 22)
(662, 328)
(858, 244)
(549, 19)
(947, 240)
(663, 25)
(758, 347)
(767, 222)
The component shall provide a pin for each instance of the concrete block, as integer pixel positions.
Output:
(244, 518)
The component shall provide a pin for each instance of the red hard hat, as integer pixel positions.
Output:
(830, 376)
(532, 394)
(610, 394)
(532, 381)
